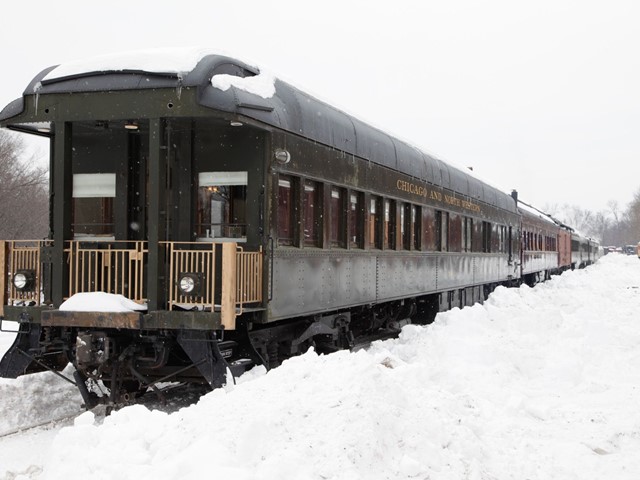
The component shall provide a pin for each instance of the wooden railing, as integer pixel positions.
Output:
(249, 277)
(21, 256)
(229, 288)
(113, 267)
(228, 278)
(194, 258)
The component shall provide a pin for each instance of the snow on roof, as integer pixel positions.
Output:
(157, 60)
(177, 61)
(262, 85)
(534, 211)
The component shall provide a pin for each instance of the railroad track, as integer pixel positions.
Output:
(44, 424)
(176, 396)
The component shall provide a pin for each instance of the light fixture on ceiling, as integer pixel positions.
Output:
(131, 125)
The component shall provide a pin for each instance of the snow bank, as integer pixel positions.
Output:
(537, 383)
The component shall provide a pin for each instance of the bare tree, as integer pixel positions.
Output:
(633, 216)
(24, 197)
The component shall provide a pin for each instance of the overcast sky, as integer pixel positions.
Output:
(540, 96)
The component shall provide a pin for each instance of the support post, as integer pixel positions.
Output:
(155, 228)
(229, 275)
(62, 178)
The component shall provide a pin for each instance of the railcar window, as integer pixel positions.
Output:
(222, 198)
(478, 237)
(486, 237)
(92, 208)
(311, 212)
(467, 234)
(389, 224)
(416, 227)
(285, 210)
(455, 233)
(407, 220)
(495, 238)
(442, 221)
(375, 222)
(503, 239)
(429, 230)
(337, 218)
(510, 244)
(356, 228)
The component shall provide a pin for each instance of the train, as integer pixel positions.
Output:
(238, 221)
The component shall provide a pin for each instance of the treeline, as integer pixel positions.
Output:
(614, 226)
(24, 192)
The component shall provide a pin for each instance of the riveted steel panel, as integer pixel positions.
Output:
(405, 275)
(307, 282)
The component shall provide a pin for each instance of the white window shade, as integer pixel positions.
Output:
(215, 179)
(94, 185)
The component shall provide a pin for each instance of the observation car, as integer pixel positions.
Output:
(248, 221)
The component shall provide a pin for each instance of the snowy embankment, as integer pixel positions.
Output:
(539, 383)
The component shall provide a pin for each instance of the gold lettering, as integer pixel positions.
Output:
(411, 188)
(421, 191)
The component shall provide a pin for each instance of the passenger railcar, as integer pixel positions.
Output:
(247, 219)
(584, 251)
(546, 245)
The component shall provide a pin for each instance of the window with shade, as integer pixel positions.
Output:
(429, 229)
(222, 198)
(467, 234)
(311, 213)
(455, 233)
(389, 224)
(416, 227)
(285, 210)
(92, 206)
(356, 229)
(337, 218)
(442, 225)
(375, 222)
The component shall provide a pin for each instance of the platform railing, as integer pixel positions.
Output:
(21, 256)
(228, 277)
(249, 277)
(108, 266)
(199, 260)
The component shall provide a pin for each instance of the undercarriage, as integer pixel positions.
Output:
(115, 367)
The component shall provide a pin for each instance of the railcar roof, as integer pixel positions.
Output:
(230, 85)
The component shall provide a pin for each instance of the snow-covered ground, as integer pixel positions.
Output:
(539, 383)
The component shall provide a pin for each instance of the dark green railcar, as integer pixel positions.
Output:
(246, 219)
